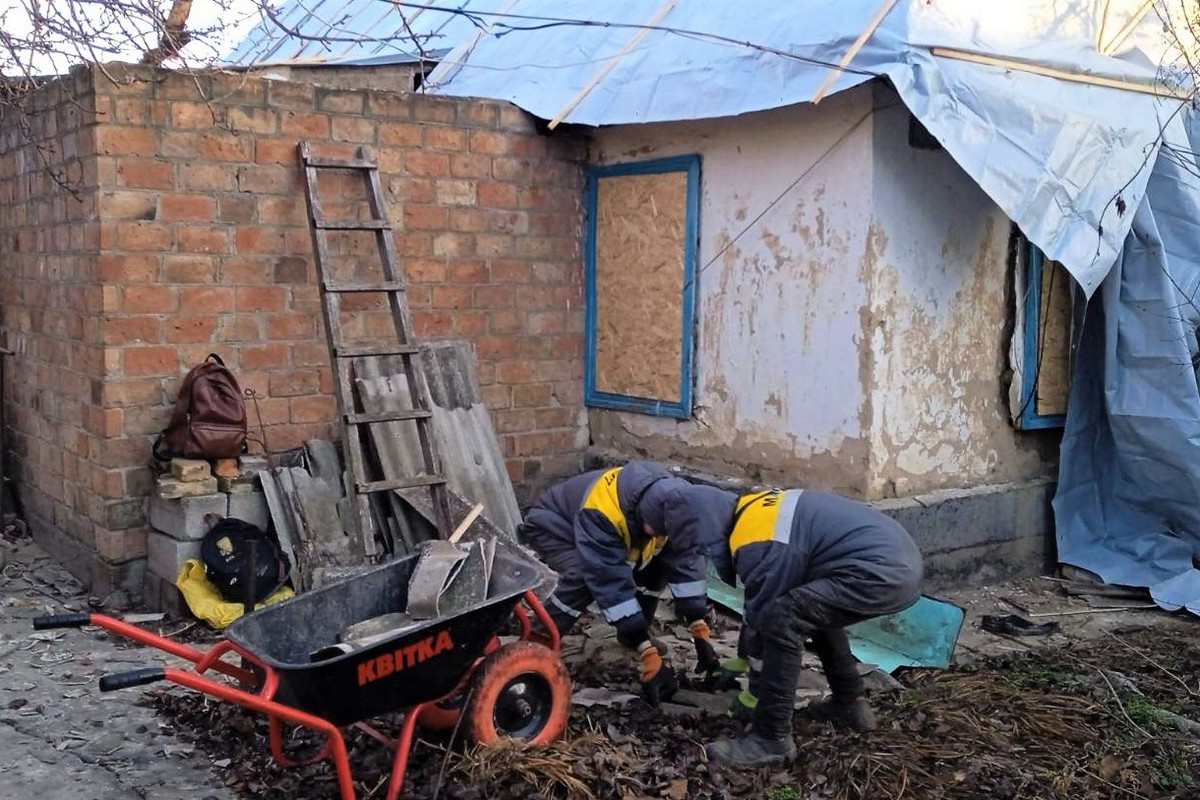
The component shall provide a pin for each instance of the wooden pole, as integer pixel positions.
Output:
(849, 55)
(466, 523)
(1127, 28)
(600, 75)
(1051, 72)
(1103, 23)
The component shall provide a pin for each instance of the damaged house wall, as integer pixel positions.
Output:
(183, 231)
(854, 319)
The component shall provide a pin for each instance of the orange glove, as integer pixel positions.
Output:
(657, 679)
(706, 657)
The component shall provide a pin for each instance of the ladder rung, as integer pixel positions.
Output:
(386, 416)
(369, 487)
(326, 162)
(364, 351)
(352, 224)
(387, 286)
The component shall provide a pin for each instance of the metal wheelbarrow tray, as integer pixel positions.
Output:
(406, 672)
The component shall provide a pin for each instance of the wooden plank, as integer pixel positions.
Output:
(1102, 23)
(1126, 29)
(872, 25)
(1052, 72)
(602, 73)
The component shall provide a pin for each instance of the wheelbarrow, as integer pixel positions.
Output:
(516, 689)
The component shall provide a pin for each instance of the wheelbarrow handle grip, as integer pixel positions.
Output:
(134, 677)
(74, 619)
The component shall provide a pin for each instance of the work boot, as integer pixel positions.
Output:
(854, 713)
(751, 750)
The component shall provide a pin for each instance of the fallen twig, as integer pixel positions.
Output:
(1147, 658)
(1093, 611)
(1121, 705)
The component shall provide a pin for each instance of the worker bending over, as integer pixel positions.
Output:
(811, 563)
(608, 535)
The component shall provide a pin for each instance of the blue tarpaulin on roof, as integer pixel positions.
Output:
(1102, 178)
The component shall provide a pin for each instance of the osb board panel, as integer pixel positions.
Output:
(1054, 331)
(640, 229)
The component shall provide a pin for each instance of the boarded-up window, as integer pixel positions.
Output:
(1041, 341)
(641, 249)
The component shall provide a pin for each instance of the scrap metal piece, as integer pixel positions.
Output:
(436, 569)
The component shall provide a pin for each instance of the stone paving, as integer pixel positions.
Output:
(61, 737)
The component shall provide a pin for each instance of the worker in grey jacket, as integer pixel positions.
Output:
(811, 563)
(607, 534)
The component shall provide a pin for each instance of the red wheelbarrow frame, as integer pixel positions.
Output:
(262, 701)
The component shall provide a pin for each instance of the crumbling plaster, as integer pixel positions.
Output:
(851, 307)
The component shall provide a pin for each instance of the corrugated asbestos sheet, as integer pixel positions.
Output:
(360, 32)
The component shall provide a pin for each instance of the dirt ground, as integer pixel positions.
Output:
(1107, 707)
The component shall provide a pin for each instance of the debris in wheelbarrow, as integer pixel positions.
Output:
(517, 689)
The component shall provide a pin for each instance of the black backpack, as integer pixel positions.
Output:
(225, 551)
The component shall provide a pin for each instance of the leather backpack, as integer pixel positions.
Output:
(209, 418)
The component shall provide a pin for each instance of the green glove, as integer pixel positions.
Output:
(743, 706)
(727, 673)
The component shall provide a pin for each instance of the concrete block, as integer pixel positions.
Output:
(243, 484)
(165, 555)
(161, 594)
(250, 507)
(170, 488)
(182, 518)
(189, 470)
(251, 464)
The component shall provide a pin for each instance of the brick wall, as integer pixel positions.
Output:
(190, 236)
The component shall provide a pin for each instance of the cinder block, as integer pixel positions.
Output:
(189, 470)
(163, 595)
(250, 464)
(250, 507)
(170, 488)
(182, 518)
(165, 555)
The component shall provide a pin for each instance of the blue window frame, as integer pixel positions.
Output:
(679, 405)
(1034, 343)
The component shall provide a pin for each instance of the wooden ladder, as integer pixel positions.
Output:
(392, 285)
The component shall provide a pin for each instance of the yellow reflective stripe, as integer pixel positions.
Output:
(602, 497)
(763, 517)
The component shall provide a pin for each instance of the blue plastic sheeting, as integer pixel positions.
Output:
(1128, 502)
(923, 635)
(358, 32)
(1052, 154)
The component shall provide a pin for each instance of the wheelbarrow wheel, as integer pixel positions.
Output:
(521, 691)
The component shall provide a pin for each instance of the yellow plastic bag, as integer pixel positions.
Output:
(206, 602)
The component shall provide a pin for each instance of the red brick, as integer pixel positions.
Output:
(353, 129)
(256, 120)
(295, 382)
(125, 140)
(539, 322)
(291, 326)
(206, 299)
(206, 177)
(535, 296)
(202, 239)
(510, 169)
(468, 271)
(226, 147)
(451, 297)
(556, 417)
(468, 220)
(403, 134)
(189, 269)
(427, 164)
(493, 297)
(453, 244)
(120, 268)
(470, 165)
(246, 270)
(510, 271)
(432, 323)
(190, 208)
(310, 354)
(143, 236)
(445, 138)
(427, 108)
(514, 420)
(471, 323)
(152, 360)
(268, 179)
(149, 300)
(198, 116)
(317, 408)
(494, 194)
(505, 321)
(130, 330)
(514, 372)
(259, 239)
(276, 151)
(261, 298)
(424, 217)
(185, 329)
(131, 111)
(271, 355)
(495, 348)
(489, 142)
(490, 245)
(529, 146)
(128, 205)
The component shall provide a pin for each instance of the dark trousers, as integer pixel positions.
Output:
(782, 655)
